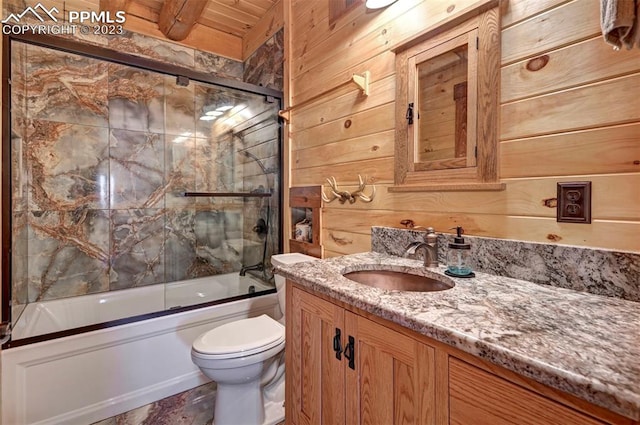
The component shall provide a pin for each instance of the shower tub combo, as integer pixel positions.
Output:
(142, 205)
(87, 377)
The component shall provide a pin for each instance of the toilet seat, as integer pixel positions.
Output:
(240, 338)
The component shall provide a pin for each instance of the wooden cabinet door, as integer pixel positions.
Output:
(480, 398)
(314, 376)
(392, 381)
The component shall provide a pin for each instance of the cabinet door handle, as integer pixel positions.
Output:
(337, 344)
(350, 352)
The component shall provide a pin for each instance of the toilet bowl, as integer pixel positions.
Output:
(246, 359)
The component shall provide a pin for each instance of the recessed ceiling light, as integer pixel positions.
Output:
(224, 108)
(207, 118)
(213, 113)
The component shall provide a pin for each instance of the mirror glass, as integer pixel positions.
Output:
(442, 106)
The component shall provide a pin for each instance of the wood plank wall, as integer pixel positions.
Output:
(570, 110)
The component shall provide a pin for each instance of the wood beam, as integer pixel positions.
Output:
(113, 6)
(177, 17)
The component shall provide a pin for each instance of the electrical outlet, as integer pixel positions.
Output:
(574, 202)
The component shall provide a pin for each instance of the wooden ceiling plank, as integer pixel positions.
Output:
(264, 5)
(219, 17)
(113, 6)
(233, 29)
(234, 17)
(153, 4)
(177, 17)
(212, 40)
(201, 38)
(232, 13)
(65, 6)
(264, 29)
(250, 7)
(143, 11)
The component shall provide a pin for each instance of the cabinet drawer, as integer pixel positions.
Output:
(480, 398)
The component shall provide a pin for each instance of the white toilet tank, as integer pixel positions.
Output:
(283, 260)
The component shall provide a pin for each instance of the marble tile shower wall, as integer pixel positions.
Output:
(264, 66)
(19, 232)
(101, 153)
(597, 271)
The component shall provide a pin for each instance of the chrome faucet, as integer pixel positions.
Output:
(430, 246)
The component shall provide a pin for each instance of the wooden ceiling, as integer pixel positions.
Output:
(235, 17)
(233, 28)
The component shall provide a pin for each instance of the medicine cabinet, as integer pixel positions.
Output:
(447, 104)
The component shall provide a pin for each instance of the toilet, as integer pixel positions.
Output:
(246, 360)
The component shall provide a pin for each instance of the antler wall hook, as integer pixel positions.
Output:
(343, 196)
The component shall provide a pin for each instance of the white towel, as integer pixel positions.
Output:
(620, 22)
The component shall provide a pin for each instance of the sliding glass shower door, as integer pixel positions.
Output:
(122, 176)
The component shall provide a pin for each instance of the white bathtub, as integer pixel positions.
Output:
(67, 313)
(84, 378)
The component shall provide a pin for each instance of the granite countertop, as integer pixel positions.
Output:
(587, 345)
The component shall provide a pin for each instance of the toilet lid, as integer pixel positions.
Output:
(241, 338)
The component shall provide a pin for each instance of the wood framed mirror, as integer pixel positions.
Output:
(447, 104)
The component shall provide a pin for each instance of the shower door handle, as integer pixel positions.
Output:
(337, 344)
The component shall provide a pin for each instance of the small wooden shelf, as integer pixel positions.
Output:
(305, 248)
(307, 198)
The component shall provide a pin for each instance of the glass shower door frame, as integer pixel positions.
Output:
(183, 75)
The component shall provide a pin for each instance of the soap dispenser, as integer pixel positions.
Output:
(459, 257)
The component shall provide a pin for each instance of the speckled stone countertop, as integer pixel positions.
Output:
(587, 345)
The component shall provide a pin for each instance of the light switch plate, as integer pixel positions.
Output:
(574, 202)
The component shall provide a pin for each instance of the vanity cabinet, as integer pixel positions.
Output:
(348, 366)
(481, 398)
(344, 368)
